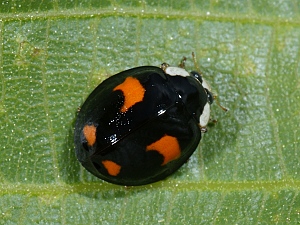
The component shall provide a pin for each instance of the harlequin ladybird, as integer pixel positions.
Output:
(142, 124)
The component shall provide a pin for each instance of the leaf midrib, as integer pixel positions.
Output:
(149, 12)
(220, 186)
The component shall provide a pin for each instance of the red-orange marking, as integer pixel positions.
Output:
(89, 132)
(112, 168)
(167, 146)
(133, 92)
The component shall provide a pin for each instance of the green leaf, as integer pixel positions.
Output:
(247, 167)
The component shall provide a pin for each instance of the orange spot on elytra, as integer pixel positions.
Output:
(89, 132)
(167, 146)
(133, 92)
(112, 168)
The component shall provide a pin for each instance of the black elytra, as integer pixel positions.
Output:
(140, 125)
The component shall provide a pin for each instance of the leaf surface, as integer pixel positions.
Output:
(246, 168)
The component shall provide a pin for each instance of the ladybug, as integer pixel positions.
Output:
(142, 124)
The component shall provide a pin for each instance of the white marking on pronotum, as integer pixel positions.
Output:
(176, 71)
(206, 85)
(205, 116)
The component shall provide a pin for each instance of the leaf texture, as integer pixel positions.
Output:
(246, 168)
